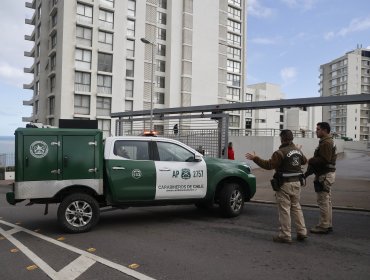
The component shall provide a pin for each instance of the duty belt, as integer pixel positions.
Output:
(291, 177)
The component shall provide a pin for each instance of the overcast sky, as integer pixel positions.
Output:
(287, 41)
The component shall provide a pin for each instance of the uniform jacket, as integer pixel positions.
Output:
(325, 157)
(281, 160)
(230, 153)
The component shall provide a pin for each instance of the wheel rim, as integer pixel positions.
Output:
(79, 213)
(236, 200)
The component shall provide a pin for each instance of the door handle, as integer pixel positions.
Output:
(26, 161)
(55, 171)
(164, 169)
(118, 168)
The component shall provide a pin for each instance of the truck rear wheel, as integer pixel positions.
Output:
(78, 213)
(231, 200)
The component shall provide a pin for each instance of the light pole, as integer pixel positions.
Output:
(145, 41)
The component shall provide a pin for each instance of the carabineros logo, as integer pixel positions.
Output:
(185, 173)
(39, 149)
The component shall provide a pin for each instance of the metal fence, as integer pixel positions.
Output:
(7, 160)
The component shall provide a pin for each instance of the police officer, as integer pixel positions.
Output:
(287, 163)
(322, 164)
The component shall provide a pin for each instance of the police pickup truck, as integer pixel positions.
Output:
(76, 168)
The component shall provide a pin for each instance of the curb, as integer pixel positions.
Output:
(315, 206)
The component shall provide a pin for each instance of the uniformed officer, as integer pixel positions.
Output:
(323, 165)
(287, 180)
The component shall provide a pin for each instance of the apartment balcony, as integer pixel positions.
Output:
(30, 53)
(29, 86)
(31, 21)
(30, 37)
(28, 102)
(31, 5)
(27, 119)
(29, 70)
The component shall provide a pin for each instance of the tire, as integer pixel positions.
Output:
(78, 213)
(231, 200)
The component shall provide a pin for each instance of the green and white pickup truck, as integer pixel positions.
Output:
(76, 168)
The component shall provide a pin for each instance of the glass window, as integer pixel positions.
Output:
(130, 28)
(83, 59)
(51, 105)
(233, 80)
(235, 2)
(53, 40)
(130, 48)
(53, 62)
(105, 84)
(129, 68)
(54, 19)
(160, 82)
(106, 19)
(235, 13)
(234, 39)
(161, 33)
(161, 50)
(233, 66)
(105, 62)
(129, 105)
(84, 13)
(103, 106)
(83, 36)
(106, 39)
(131, 8)
(234, 121)
(109, 3)
(159, 97)
(52, 83)
(136, 150)
(161, 65)
(234, 53)
(82, 81)
(129, 88)
(161, 18)
(234, 26)
(37, 88)
(104, 125)
(162, 4)
(173, 152)
(82, 104)
(233, 93)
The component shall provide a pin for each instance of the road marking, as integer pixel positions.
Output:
(51, 272)
(76, 268)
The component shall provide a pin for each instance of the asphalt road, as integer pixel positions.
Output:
(181, 242)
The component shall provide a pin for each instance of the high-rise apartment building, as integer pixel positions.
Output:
(90, 61)
(346, 75)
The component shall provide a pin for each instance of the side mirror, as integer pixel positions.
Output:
(197, 158)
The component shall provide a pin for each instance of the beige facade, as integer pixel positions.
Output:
(347, 75)
(89, 60)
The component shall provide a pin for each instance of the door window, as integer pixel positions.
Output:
(136, 150)
(173, 152)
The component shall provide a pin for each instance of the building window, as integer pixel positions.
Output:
(235, 2)
(129, 68)
(38, 31)
(105, 19)
(84, 13)
(53, 40)
(160, 82)
(234, 53)
(104, 125)
(130, 28)
(105, 62)
(51, 121)
(83, 36)
(234, 39)
(233, 66)
(248, 97)
(39, 12)
(234, 121)
(248, 123)
(105, 84)
(51, 105)
(82, 104)
(235, 13)
(233, 26)
(161, 18)
(161, 65)
(161, 49)
(106, 39)
(54, 20)
(53, 62)
(159, 97)
(38, 50)
(131, 8)
(233, 80)
(37, 70)
(129, 105)
(161, 33)
(162, 4)
(82, 82)
(36, 107)
(103, 105)
(83, 59)
(129, 88)
(260, 120)
(52, 84)
(233, 93)
(37, 88)
(108, 3)
(130, 45)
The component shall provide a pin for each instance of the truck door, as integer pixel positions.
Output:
(79, 157)
(40, 158)
(131, 173)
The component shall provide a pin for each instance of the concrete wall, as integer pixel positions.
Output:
(357, 145)
(264, 146)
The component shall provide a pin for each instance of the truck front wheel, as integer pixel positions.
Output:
(78, 213)
(231, 200)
